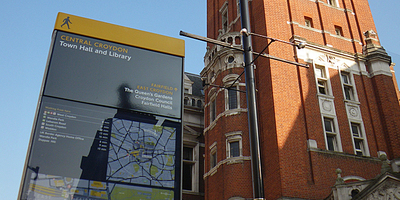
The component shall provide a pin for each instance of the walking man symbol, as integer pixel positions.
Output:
(66, 22)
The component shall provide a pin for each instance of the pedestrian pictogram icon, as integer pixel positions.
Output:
(66, 22)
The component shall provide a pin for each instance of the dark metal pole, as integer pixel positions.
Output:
(258, 188)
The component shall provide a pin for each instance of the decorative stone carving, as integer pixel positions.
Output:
(385, 163)
(344, 66)
(322, 58)
(353, 112)
(370, 34)
(389, 190)
(331, 59)
(327, 105)
(339, 179)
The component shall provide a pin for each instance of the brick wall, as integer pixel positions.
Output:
(288, 106)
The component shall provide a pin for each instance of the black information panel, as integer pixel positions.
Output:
(80, 151)
(90, 70)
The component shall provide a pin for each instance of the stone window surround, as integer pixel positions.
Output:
(233, 137)
(195, 164)
(361, 129)
(336, 133)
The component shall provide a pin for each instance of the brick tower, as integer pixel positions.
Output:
(341, 112)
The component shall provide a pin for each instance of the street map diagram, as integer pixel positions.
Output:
(141, 153)
(64, 188)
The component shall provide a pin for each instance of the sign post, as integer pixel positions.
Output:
(108, 122)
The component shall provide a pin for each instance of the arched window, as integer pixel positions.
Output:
(199, 103)
(354, 192)
(186, 101)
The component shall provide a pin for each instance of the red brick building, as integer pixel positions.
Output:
(341, 112)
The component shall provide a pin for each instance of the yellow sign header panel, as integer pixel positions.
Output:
(114, 33)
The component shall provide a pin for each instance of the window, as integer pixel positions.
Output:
(322, 82)
(354, 192)
(308, 22)
(359, 148)
(212, 111)
(188, 168)
(233, 144)
(213, 158)
(230, 40)
(193, 102)
(234, 150)
(232, 98)
(231, 59)
(347, 86)
(199, 103)
(186, 101)
(330, 134)
(238, 7)
(322, 87)
(225, 20)
(338, 31)
(332, 2)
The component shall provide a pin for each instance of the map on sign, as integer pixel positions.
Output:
(141, 153)
(63, 188)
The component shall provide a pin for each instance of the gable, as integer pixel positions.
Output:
(385, 187)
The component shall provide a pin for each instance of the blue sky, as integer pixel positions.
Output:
(26, 28)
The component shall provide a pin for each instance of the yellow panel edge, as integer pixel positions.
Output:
(119, 34)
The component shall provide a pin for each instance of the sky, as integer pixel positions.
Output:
(25, 35)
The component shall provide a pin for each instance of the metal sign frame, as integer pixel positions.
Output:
(78, 35)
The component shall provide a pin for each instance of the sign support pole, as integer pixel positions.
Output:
(258, 188)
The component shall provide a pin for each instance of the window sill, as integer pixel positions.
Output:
(326, 96)
(352, 102)
(191, 192)
(343, 154)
